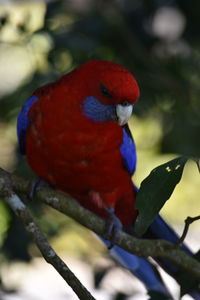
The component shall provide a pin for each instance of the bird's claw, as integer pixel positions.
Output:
(114, 227)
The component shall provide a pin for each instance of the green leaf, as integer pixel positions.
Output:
(155, 190)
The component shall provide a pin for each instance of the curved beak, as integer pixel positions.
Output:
(123, 113)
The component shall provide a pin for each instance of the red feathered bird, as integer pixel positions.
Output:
(75, 136)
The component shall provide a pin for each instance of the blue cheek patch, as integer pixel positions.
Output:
(23, 122)
(94, 110)
(128, 150)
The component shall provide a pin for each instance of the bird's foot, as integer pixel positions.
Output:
(114, 227)
(36, 184)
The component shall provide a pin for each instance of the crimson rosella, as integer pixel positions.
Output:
(75, 136)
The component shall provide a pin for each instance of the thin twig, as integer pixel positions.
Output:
(188, 222)
(46, 250)
(198, 164)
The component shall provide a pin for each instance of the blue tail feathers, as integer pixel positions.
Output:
(144, 270)
(159, 229)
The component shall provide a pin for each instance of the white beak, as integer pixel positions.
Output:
(124, 113)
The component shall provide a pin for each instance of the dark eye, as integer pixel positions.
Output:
(105, 92)
(125, 103)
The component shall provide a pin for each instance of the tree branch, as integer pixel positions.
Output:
(70, 207)
(40, 239)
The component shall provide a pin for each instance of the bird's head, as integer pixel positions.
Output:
(110, 91)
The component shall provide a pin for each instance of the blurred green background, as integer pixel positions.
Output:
(157, 40)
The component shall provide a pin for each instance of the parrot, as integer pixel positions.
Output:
(74, 133)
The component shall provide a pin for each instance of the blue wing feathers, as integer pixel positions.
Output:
(128, 150)
(23, 123)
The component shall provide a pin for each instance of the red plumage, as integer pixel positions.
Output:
(77, 155)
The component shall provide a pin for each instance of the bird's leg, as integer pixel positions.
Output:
(36, 184)
(114, 227)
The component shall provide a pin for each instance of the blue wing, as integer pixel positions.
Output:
(128, 150)
(23, 122)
